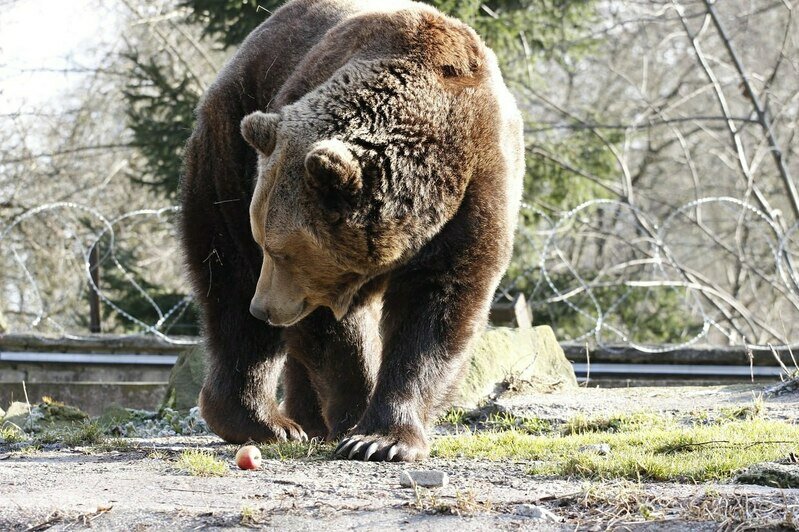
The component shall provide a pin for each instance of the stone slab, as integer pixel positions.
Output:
(424, 478)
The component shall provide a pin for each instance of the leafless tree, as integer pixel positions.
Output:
(695, 104)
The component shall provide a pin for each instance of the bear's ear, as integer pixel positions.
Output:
(333, 173)
(454, 50)
(260, 131)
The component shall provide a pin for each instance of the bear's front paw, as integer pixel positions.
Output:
(400, 444)
(286, 430)
(241, 429)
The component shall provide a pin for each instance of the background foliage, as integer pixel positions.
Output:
(661, 153)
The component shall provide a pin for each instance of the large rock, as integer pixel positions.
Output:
(115, 415)
(17, 414)
(186, 380)
(506, 355)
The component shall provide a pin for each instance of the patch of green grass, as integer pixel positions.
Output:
(453, 416)
(502, 421)
(157, 454)
(458, 417)
(117, 444)
(11, 434)
(752, 411)
(582, 424)
(698, 417)
(49, 436)
(30, 449)
(200, 463)
(646, 447)
(87, 433)
(292, 450)
(508, 421)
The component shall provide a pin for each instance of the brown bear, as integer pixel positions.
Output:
(349, 201)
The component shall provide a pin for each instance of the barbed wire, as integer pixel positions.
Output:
(710, 312)
(605, 272)
(108, 231)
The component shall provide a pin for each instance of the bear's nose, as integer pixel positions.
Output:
(259, 313)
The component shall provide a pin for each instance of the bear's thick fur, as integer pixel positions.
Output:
(353, 181)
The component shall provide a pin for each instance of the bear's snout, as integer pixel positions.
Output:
(260, 313)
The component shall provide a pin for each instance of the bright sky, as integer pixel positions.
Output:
(48, 34)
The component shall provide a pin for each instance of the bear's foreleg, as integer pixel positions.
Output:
(245, 356)
(430, 318)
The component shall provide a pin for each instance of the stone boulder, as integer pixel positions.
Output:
(17, 414)
(186, 380)
(47, 415)
(504, 357)
(772, 474)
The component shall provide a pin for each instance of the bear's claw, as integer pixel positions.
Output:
(374, 448)
(285, 429)
(369, 451)
(292, 434)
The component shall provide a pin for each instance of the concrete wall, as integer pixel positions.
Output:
(88, 373)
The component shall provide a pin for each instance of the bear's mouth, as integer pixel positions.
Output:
(303, 312)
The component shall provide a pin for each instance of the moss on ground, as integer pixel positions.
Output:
(72, 435)
(11, 434)
(643, 447)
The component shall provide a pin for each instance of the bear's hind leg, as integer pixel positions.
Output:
(342, 359)
(300, 402)
(245, 358)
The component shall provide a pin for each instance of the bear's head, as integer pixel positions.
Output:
(368, 162)
(304, 266)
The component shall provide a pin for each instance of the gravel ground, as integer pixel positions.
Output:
(142, 489)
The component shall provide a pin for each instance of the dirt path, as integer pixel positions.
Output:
(283, 494)
(140, 487)
(69, 489)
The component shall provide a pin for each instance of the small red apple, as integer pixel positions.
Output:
(248, 457)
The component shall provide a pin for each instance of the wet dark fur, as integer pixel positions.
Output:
(384, 371)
